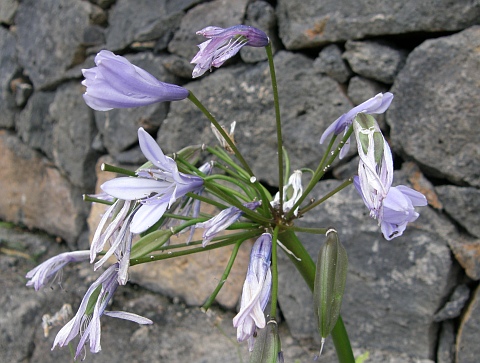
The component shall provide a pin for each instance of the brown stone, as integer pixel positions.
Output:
(35, 194)
(468, 349)
(467, 253)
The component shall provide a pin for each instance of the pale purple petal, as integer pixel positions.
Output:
(146, 216)
(132, 188)
(128, 316)
(153, 152)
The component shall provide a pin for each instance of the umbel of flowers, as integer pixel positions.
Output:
(163, 198)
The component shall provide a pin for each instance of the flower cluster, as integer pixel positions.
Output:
(164, 196)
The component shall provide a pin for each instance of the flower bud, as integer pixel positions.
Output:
(149, 243)
(267, 347)
(330, 278)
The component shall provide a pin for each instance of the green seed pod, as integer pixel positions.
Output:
(267, 348)
(330, 278)
(150, 242)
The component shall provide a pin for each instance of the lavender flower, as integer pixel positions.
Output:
(377, 104)
(86, 322)
(224, 44)
(222, 221)
(292, 191)
(116, 83)
(375, 169)
(44, 272)
(256, 291)
(156, 188)
(397, 208)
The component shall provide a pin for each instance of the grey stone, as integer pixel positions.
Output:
(393, 288)
(118, 127)
(361, 89)
(8, 9)
(222, 13)
(22, 90)
(453, 308)
(94, 35)
(35, 124)
(104, 4)
(143, 20)
(244, 94)
(467, 252)
(306, 24)
(330, 62)
(468, 349)
(73, 136)
(463, 205)
(43, 22)
(177, 65)
(260, 15)
(9, 68)
(446, 343)
(375, 60)
(435, 108)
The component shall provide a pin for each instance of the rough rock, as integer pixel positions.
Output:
(118, 127)
(9, 67)
(143, 20)
(463, 205)
(306, 24)
(35, 124)
(375, 60)
(44, 199)
(453, 308)
(73, 135)
(222, 13)
(436, 97)
(260, 15)
(467, 253)
(446, 343)
(330, 62)
(244, 94)
(468, 349)
(393, 288)
(361, 89)
(8, 9)
(62, 46)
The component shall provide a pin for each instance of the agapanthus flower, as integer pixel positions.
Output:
(224, 44)
(43, 273)
(86, 322)
(398, 208)
(155, 188)
(292, 191)
(117, 83)
(222, 221)
(256, 291)
(374, 105)
(375, 169)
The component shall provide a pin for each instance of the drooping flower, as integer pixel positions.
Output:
(292, 191)
(256, 291)
(375, 105)
(43, 273)
(398, 208)
(221, 139)
(117, 83)
(87, 322)
(224, 44)
(155, 188)
(222, 221)
(375, 169)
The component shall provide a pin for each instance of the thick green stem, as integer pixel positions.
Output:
(273, 305)
(278, 120)
(305, 265)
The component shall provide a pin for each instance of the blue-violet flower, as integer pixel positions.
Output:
(117, 83)
(256, 291)
(87, 323)
(224, 44)
(155, 188)
(222, 221)
(377, 104)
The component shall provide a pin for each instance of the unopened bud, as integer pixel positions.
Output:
(150, 242)
(267, 347)
(190, 153)
(330, 278)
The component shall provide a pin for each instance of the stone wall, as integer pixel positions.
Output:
(413, 299)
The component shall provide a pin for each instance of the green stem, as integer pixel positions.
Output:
(308, 230)
(224, 277)
(116, 169)
(278, 120)
(88, 198)
(305, 265)
(220, 129)
(345, 184)
(274, 294)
